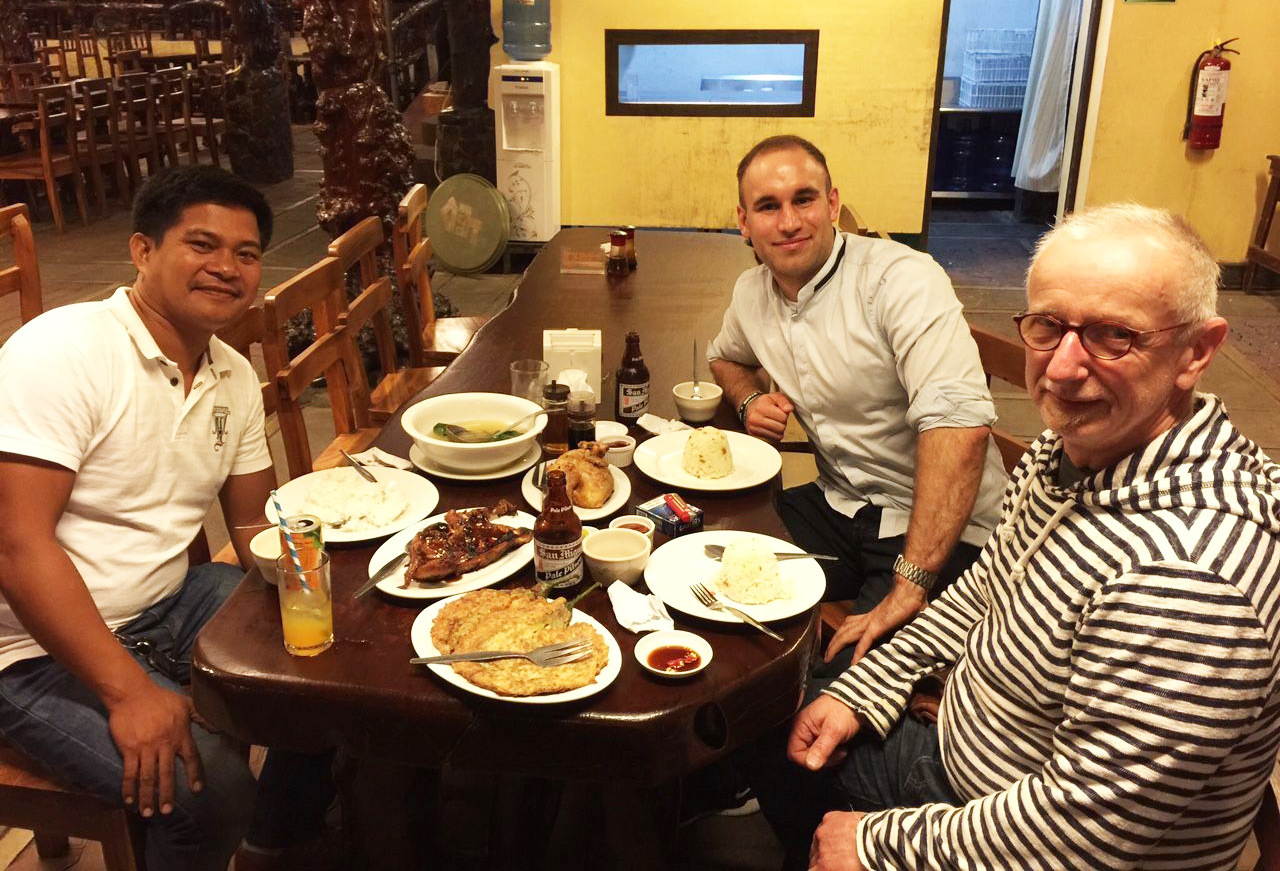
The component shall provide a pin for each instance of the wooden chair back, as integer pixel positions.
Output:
(55, 61)
(205, 102)
(171, 112)
(100, 121)
(140, 39)
(318, 289)
(23, 277)
(126, 60)
(28, 76)
(1005, 359)
(851, 222)
(87, 51)
(411, 250)
(135, 100)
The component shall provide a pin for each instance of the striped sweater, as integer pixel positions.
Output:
(1114, 702)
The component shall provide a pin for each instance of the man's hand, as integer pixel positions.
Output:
(151, 726)
(767, 415)
(835, 843)
(904, 601)
(820, 731)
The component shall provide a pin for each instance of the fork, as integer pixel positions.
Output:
(359, 467)
(546, 656)
(715, 551)
(540, 476)
(709, 600)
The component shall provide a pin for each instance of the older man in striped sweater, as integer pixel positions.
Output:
(1113, 698)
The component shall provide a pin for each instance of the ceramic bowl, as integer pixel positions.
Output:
(651, 641)
(607, 428)
(266, 550)
(700, 409)
(616, 554)
(419, 418)
(621, 450)
(643, 525)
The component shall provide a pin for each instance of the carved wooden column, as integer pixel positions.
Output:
(259, 139)
(15, 34)
(466, 132)
(363, 144)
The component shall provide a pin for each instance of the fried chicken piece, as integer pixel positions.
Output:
(587, 474)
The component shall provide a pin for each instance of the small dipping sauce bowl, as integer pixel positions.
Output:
(620, 449)
(266, 550)
(672, 653)
(642, 525)
(616, 554)
(607, 428)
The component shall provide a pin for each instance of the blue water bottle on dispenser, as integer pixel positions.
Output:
(526, 29)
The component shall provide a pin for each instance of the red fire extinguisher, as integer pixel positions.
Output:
(1207, 101)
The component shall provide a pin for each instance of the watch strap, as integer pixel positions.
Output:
(922, 578)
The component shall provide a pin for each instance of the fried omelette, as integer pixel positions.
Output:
(515, 620)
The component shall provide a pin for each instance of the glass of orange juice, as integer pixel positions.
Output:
(306, 606)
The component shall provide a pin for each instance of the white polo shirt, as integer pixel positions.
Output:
(85, 386)
(874, 351)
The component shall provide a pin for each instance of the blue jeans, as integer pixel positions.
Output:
(51, 716)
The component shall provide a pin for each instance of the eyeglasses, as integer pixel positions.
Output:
(1105, 340)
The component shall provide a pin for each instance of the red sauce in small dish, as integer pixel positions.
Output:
(674, 658)
(638, 527)
(613, 446)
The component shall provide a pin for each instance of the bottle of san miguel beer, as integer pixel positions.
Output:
(633, 382)
(557, 539)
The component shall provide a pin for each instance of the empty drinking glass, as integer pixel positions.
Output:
(528, 377)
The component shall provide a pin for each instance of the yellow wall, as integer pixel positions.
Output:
(1135, 151)
(877, 62)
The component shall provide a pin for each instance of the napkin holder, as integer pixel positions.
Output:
(574, 349)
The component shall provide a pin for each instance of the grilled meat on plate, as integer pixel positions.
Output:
(463, 542)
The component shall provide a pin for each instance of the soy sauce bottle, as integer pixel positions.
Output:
(633, 382)
(557, 539)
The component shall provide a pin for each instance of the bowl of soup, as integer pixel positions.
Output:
(482, 412)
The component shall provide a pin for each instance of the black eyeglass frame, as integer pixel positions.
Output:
(1085, 342)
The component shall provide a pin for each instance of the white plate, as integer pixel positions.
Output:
(422, 495)
(682, 561)
(420, 637)
(754, 462)
(419, 459)
(501, 569)
(621, 493)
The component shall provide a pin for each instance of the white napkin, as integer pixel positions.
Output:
(379, 457)
(577, 381)
(638, 612)
(658, 425)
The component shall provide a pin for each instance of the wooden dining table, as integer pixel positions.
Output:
(363, 696)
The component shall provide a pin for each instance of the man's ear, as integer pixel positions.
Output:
(742, 223)
(833, 203)
(1199, 354)
(140, 250)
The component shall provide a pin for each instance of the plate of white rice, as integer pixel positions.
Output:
(352, 509)
(748, 578)
(754, 461)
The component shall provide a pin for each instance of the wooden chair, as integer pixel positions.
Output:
(206, 114)
(851, 222)
(1004, 359)
(432, 341)
(57, 155)
(87, 50)
(357, 250)
(29, 799)
(23, 277)
(318, 289)
(171, 114)
(28, 76)
(135, 100)
(100, 138)
(126, 60)
(1257, 254)
(55, 61)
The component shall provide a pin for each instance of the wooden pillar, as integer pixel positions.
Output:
(259, 138)
(15, 35)
(363, 143)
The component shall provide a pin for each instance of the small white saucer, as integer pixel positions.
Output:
(531, 456)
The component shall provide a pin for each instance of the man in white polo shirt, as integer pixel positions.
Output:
(864, 341)
(120, 422)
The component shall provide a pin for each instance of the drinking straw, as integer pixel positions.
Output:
(284, 530)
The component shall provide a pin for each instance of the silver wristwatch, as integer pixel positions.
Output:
(922, 578)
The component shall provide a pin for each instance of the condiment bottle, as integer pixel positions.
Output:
(616, 264)
(630, 246)
(557, 539)
(555, 436)
(633, 382)
(582, 418)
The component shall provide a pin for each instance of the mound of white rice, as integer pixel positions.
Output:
(706, 453)
(343, 500)
(749, 573)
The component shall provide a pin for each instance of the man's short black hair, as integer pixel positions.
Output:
(160, 202)
(781, 142)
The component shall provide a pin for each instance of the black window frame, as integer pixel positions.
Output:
(614, 39)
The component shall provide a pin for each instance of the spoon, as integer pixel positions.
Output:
(359, 467)
(716, 551)
(455, 433)
(697, 391)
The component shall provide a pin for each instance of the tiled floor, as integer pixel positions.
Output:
(985, 254)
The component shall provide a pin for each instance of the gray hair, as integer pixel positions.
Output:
(1197, 299)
